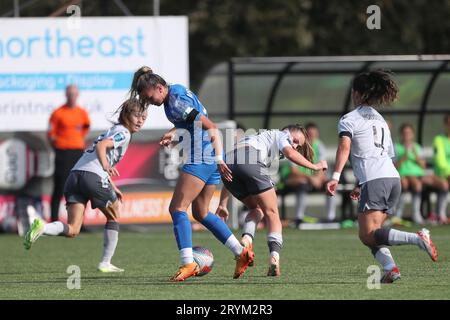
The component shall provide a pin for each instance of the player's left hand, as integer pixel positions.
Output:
(355, 194)
(225, 172)
(119, 194)
(166, 139)
(331, 187)
(222, 212)
(112, 171)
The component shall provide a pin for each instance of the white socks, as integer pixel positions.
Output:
(54, 229)
(400, 206)
(384, 257)
(110, 239)
(275, 242)
(416, 202)
(249, 228)
(300, 205)
(186, 256)
(415, 207)
(397, 237)
(246, 239)
(234, 245)
(442, 204)
(331, 208)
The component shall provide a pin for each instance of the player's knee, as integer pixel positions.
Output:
(199, 215)
(366, 241)
(255, 214)
(271, 213)
(316, 184)
(367, 238)
(176, 208)
(116, 211)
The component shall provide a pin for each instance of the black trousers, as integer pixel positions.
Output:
(64, 162)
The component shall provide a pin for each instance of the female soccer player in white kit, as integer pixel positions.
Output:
(250, 163)
(365, 136)
(90, 180)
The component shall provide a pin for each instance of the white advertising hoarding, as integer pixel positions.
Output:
(39, 57)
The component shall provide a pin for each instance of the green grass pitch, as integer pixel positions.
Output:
(315, 265)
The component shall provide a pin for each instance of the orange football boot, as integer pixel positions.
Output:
(243, 261)
(250, 246)
(186, 271)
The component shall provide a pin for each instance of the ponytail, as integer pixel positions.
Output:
(137, 75)
(144, 78)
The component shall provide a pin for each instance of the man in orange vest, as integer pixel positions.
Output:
(69, 125)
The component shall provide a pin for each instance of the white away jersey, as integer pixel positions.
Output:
(269, 143)
(372, 149)
(89, 160)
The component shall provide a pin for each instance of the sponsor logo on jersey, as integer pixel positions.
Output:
(119, 137)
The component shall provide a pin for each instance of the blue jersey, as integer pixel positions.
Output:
(184, 109)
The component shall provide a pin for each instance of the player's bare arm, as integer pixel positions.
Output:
(101, 149)
(342, 155)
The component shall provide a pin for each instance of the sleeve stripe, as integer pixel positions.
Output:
(345, 134)
(192, 115)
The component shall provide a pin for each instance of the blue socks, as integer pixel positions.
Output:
(182, 229)
(218, 228)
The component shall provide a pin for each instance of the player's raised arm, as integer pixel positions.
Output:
(295, 144)
(300, 160)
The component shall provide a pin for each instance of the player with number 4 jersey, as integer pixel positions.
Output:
(372, 149)
(365, 136)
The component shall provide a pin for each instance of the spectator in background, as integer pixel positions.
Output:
(68, 127)
(441, 161)
(304, 180)
(411, 167)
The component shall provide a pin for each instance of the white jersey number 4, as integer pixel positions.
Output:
(378, 137)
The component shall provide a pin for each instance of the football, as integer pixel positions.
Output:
(204, 259)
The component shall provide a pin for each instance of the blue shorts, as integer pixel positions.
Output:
(209, 173)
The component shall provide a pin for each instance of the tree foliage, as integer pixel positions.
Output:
(222, 29)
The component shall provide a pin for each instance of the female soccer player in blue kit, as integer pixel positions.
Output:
(199, 175)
